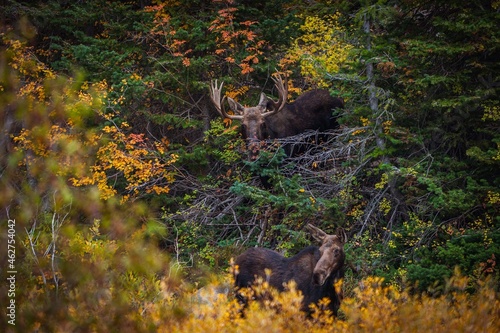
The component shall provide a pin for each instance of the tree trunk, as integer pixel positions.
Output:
(372, 90)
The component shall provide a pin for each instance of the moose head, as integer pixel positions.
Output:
(331, 251)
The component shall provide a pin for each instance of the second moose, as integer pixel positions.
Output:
(314, 269)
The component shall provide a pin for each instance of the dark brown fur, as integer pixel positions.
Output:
(314, 269)
(312, 110)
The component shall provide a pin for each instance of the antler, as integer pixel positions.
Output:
(215, 95)
(282, 88)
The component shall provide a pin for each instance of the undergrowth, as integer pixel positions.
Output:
(174, 307)
(373, 307)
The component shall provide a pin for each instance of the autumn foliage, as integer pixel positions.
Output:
(129, 195)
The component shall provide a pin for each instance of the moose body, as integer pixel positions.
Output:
(314, 269)
(312, 110)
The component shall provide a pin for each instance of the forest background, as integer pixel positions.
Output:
(127, 192)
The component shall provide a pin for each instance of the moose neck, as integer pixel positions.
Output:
(306, 259)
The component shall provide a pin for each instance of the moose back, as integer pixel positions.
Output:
(314, 269)
(312, 110)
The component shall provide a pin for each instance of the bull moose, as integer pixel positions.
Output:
(314, 269)
(313, 110)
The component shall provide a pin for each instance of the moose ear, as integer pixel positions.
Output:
(342, 235)
(317, 233)
(264, 101)
(235, 106)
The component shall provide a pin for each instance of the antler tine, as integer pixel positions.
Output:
(215, 96)
(282, 88)
(215, 93)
